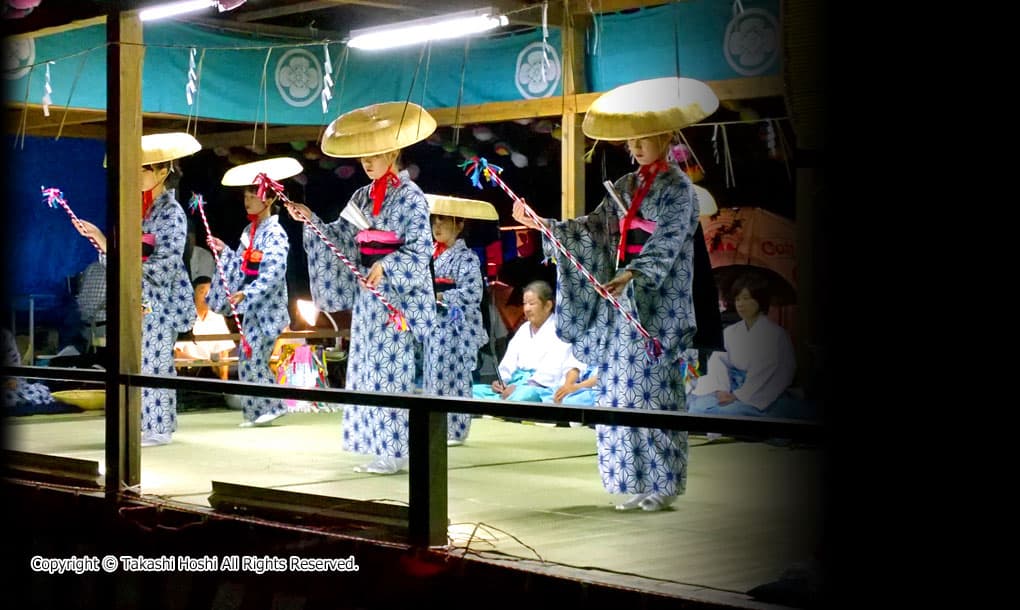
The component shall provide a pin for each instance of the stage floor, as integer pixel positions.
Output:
(750, 512)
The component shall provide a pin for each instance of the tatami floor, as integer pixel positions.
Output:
(751, 510)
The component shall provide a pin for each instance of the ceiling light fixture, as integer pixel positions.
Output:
(162, 11)
(441, 27)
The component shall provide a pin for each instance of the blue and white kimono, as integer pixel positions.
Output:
(169, 304)
(264, 306)
(458, 333)
(634, 460)
(381, 358)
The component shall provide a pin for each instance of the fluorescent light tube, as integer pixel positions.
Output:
(163, 11)
(430, 28)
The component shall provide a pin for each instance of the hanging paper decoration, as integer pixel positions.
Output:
(557, 133)
(482, 133)
(197, 202)
(47, 90)
(545, 39)
(449, 147)
(476, 167)
(770, 140)
(221, 151)
(312, 154)
(467, 152)
(301, 179)
(344, 172)
(518, 159)
(523, 121)
(52, 197)
(327, 80)
(328, 163)
(501, 148)
(191, 88)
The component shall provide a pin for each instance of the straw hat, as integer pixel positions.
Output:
(377, 129)
(648, 107)
(706, 202)
(276, 168)
(160, 147)
(443, 205)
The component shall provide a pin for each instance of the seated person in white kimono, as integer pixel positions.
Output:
(208, 323)
(537, 362)
(752, 376)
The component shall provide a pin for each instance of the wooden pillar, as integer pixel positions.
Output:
(124, 248)
(427, 517)
(572, 141)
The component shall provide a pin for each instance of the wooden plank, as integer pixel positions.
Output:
(315, 5)
(572, 176)
(265, 29)
(124, 261)
(58, 29)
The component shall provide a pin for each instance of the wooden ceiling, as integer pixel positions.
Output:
(311, 20)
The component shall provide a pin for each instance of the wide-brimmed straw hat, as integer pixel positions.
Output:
(377, 129)
(160, 147)
(276, 168)
(443, 205)
(706, 202)
(648, 107)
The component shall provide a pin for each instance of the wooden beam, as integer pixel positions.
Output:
(266, 29)
(316, 5)
(572, 175)
(124, 250)
(613, 6)
(57, 29)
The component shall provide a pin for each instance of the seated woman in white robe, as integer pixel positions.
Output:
(751, 377)
(537, 362)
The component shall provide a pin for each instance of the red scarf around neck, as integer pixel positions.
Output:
(439, 249)
(378, 191)
(646, 175)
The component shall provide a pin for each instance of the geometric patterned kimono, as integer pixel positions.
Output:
(455, 343)
(167, 291)
(381, 357)
(264, 306)
(634, 460)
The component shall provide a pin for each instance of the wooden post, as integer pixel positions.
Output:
(572, 138)
(428, 519)
(124, 248)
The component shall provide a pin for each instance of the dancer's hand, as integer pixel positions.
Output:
(236, 298)
(616, 285)
(375, 274)
(297, 210)
(215, 244)
(522, 217)
(88, 229)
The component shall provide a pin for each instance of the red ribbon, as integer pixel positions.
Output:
(263, 182)
(439, 249)
(378, 191)
(647, 175)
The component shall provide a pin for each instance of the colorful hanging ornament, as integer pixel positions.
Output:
(344, 172)
(53, 197)
(518, 159)
(482, 133)
(501, 148)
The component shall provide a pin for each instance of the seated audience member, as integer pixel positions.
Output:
(537, 362)
(208, 322)
(91, 300)
(752, 376)
(21, 397)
